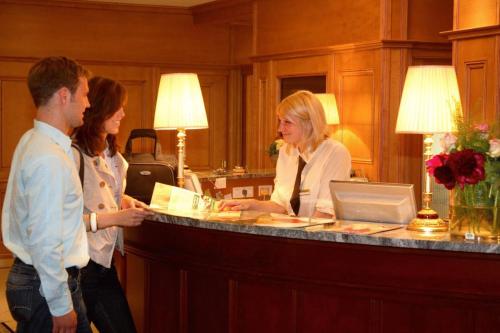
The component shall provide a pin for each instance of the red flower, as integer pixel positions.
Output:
(439, 168)
(467, 167)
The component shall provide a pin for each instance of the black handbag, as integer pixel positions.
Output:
(145, 169)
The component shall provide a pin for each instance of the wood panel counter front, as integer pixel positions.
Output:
(186, 274)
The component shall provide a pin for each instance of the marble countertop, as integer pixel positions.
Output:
(252, 173)
(365, 233)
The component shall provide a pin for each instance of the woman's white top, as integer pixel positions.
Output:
(103, 187)
(330, 161)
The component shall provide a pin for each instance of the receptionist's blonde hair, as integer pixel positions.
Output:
(306, 107)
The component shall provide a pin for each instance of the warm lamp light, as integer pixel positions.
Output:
(330, 107)
(180, 106)
(429, 105)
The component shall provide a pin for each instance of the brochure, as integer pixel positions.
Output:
(287, 221)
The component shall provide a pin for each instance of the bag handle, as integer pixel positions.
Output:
(141, 133)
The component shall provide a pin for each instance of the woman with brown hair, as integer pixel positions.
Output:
(106, 207)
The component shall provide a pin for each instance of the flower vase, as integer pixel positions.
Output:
(473, 213)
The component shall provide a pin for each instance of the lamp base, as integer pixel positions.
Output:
(428, 220)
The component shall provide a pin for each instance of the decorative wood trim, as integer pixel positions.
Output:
(370, 73)
(355, 47)
(197, 66)
(492, 30)
(385, 19)
(233, 306)
(496, 63)
(156, 9)
(4, 171)
(475, 65)
(263, 89)
(456, 14)
(183, 301)
(404, 19)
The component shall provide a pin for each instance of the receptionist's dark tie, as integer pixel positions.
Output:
(295, 199)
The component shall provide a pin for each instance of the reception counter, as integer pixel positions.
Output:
(198, 273)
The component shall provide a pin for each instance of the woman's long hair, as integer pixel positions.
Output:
(106, 96)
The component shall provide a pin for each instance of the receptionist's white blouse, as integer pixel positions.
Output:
(331, 160)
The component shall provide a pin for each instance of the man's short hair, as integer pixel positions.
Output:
(51, 74)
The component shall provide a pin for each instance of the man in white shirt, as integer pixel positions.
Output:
(42, 212)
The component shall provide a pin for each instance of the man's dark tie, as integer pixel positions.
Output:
(295, 199)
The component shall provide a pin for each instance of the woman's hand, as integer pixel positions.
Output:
(245, 204)
(132, 217)
(129, 202)
(129, 217)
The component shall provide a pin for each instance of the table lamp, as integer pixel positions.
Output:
(429, 105)
(180, 106)
(330, 106)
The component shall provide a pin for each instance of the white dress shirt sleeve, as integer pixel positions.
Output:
(280, 193)
(45, 180)
(336, 167)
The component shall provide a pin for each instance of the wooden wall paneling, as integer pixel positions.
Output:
(359, 123)
(235, 118)
(166, 297)
(333, 312)
(477, 66)
(427, 18)
(18, 112)
(273, 313)
(257, 138)
(113, 32)
(235, 12)
(137, 287)
(210, 146)
(476, 90)
(473, 14)
(393, 19)
(289, 25)
(16, 116)
(358, 80)
(270, 284)
(208, 308)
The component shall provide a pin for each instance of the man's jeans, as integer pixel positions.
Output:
(29, 308)
(107, 306)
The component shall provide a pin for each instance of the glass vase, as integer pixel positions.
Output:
(473, 214)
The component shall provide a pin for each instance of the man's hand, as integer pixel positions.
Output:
(64, 324)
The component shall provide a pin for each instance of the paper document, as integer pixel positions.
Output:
(286, 221)
(171, 198)
(362, 228)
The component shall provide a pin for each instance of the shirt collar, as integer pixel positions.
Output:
(312, 154)
(59, 137)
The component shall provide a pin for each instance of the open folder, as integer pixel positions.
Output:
(181, 202)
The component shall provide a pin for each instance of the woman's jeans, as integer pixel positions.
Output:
(29, 308)
(105, 300)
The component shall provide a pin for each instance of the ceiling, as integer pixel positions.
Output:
(178, 3)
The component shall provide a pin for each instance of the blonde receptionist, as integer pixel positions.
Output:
(307, 161)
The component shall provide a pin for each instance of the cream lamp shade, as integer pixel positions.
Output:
(429, 105)
(430, 100)
(180, 103)
(180, 106)
(330, 107)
